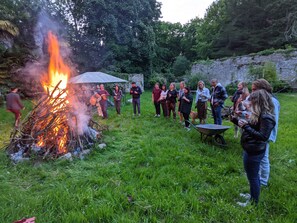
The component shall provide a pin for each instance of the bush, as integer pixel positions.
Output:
(180, 66)
(156, 77)
(281, 86)
(267, 71)
(192, 80)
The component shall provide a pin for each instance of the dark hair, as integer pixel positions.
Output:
(188, 89)
(13, 88)
(164, 85)
(133, 82)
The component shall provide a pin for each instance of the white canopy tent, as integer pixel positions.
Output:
(95, 77)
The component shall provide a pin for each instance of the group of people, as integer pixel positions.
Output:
(254, 114)
(183, 100)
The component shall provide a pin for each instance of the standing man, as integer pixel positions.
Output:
(103, 102)
(218, 97)
(265, 164)
(14, 105)
(135, 91)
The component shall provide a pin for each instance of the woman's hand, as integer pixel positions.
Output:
(242, 123)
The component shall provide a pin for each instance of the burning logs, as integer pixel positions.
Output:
(53, 128)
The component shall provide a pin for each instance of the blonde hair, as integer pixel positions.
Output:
(261, 103)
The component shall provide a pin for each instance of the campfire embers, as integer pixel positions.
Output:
(58, 124)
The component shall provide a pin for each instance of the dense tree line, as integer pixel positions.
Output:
(128, 36)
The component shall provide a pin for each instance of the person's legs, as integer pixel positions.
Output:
(218, 113)
(157, 107)
(186, 117)
(118, 106)
(104, 108)
(164, 108)
(138, 105)
(252, 166)
(173, 107)
(169, 109)
(265, 167)
(134, 105)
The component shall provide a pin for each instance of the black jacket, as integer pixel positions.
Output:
(185, 107)
(254, 137)
(135, 92)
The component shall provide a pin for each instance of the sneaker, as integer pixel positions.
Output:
(243, 204)
(138, 114)
(156, 116)
(245, 196)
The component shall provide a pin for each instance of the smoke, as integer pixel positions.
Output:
(35, 70)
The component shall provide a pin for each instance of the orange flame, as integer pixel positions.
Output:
(58, 72)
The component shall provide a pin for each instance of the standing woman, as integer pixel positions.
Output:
(117, 97)
(162, 100)
(202, 96)
(171, 100)
(179, 96)
(186, 105)
(254, 139)
(155, 99)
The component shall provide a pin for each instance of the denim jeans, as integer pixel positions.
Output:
(217, 114)
(252, 165)
(265, 167)
(136, 102)
(103, 104)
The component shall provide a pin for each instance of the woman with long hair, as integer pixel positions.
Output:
(256, 132)
(202, 96)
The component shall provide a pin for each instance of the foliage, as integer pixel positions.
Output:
(266, 71)
(157, 78)
(192, 80)
(180, 66)
(152, 170)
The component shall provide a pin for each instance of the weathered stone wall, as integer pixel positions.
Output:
(237, 68)
(137, 78)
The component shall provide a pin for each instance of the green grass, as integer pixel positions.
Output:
(152, 170)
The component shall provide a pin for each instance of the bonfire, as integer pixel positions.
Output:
(58, 124)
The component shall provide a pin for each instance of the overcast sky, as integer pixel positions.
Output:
(183, 10)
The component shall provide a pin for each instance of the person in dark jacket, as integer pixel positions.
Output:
(171, 100)
(254, 138)
(135, 91)
(14, 105)
(186, 105)
(218, 97)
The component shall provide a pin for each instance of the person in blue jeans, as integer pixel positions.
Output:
(217, 99)
(254, 139)
(265, 164)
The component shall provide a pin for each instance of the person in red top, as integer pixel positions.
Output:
(155, 99)
(14, 105)
(103, 102)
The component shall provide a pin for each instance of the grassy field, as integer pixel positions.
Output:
(152, 170)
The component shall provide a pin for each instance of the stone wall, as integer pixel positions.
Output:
(237, 68)
(137, 78)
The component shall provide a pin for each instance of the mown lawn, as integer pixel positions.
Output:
(152, 170)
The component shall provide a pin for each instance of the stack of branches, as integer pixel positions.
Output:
(50, 129)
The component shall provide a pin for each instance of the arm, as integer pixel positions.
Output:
(197, 96)
(267, 123)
